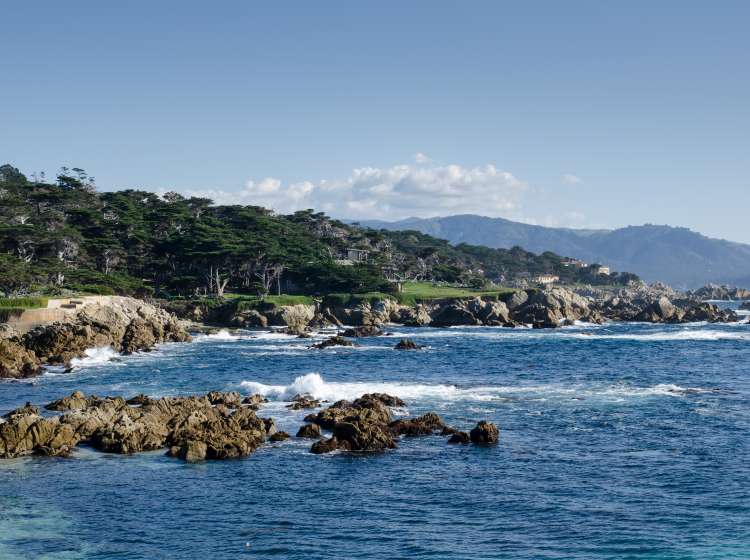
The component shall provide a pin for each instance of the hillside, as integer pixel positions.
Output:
(67, 237)
(676, 256)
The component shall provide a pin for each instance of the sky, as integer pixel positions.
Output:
(579, 113)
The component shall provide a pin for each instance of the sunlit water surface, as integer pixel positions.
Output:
(617, 441)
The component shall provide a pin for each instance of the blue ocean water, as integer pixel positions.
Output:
(617, 441)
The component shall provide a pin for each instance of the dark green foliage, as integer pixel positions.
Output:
(66, 236)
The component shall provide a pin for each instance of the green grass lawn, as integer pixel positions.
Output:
(414, 292)
(23, 303)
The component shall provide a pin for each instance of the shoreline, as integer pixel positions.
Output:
(129, 325)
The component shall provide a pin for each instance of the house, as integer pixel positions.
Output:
(546, 279)
(598, 269)
(575, 263)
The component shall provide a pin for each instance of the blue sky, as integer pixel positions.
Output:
(583, 114)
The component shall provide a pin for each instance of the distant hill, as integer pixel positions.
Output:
(675, 255)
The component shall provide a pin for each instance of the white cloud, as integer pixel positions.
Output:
(421, 158)
(390, 193)
(570, 179)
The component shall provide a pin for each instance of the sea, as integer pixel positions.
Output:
(626, 441)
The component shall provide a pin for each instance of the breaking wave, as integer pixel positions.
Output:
(315, 385)
(94, 357)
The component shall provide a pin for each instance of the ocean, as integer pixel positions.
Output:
(616, 441)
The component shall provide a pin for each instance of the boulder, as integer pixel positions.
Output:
(424, 425)
(364, 331)
(459, 437)
(279, 436)
(231, 399)
(301, 402)
(329, 445)
(311, 431)
(24, 431)
(333, 341)
(191, 451)
(361, 425)
(454, 314)
(76, 400)
(296, 318)
(407, 344)
(484, 433)
(254, 400)
(417, 316)
(16, 361)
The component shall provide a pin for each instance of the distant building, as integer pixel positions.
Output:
(575, 263)
(546, 279)
(601, 270)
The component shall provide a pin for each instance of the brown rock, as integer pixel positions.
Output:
(333, 341)
(16, 362)
(484, 432)
(311, 431)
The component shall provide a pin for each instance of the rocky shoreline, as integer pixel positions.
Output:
(128, 325)
(214, 426)
(539, 308)
(125, 324)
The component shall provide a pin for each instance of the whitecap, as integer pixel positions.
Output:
(94, 357)
(315, 385)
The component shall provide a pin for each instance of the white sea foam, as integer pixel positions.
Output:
(94, 357)
(315, 385)
(659, 336)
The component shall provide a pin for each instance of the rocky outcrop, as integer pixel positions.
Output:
(16, 361)
(125, 324)
(333, 341)
(362, 332)
(301, 402)
(418, 316)
(407, 344)
(214, 426)
(484, 433)
(716, 292)
(424, 425)
(295, 317)
(311, 431)
(459, 437)
(24, 431)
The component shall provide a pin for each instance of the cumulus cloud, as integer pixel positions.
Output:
(570, 179)
(421, 158)
(390, 193)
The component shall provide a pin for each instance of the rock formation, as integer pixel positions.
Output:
(125, 324)
(214, 426)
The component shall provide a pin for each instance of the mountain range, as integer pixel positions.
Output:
(675, 255)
